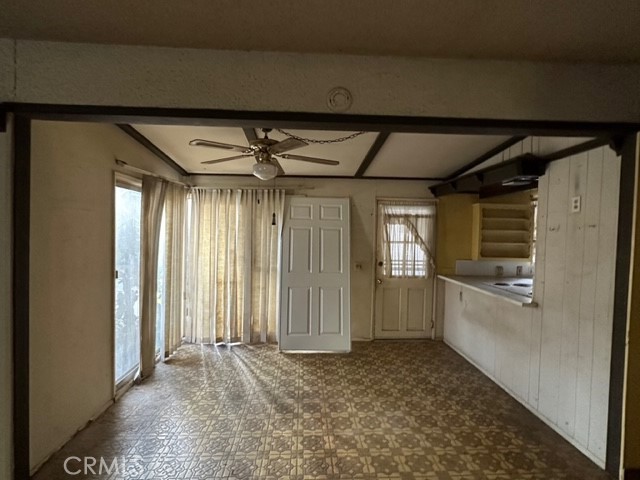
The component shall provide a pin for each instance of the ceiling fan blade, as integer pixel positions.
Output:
(286, 145)
(275, 161)
(323, 161)
(226, 159)
(198, 142)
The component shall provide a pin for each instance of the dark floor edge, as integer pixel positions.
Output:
(632, 474)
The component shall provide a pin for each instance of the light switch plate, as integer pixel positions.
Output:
(575, 204)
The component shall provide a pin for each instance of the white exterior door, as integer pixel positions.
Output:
(404, 272)
(315, 301)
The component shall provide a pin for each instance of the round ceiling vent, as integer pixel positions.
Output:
(339, 99)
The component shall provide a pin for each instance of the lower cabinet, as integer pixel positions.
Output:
(509, 343)
(493, 334)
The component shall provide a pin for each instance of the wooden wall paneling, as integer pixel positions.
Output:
(591, 205)
(452, 312)
(438, 325)
(574, 256)
(603, 317)
(555, 241)
(515, 150)
(538, 288)
(479, 313)
(512, 344)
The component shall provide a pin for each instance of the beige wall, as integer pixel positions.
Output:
(363, 194)
(71, 370)
(6, 451)
(50, 72)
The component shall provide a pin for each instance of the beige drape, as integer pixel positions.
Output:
(233, 265)
(175, 231)
(153, 193)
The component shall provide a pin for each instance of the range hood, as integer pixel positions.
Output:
(521, 172)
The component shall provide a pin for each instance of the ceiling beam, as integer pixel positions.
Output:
(371, 154)
(250, 133)
(319, 121)
(577, 149)
(487, 155)
(149, 145)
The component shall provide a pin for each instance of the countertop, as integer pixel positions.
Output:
(480, 284)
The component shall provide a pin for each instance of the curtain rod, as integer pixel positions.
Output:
(290, 189)
(123, 164)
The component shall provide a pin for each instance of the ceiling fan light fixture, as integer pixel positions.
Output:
(265, 171)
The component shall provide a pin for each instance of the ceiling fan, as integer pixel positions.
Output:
(266, 152)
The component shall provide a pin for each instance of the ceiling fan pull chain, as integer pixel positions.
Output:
(311, 140)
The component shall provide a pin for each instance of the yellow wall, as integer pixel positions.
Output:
(455, 216)
(631, 455)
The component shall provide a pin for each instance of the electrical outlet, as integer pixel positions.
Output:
(575, 204)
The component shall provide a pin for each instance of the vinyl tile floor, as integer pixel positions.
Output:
(387, 410)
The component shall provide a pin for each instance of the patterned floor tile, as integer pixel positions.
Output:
(249, 412)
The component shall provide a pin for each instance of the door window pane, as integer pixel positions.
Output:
(407, 236)
(127, 288)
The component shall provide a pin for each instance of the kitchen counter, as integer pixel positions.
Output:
(485, 285)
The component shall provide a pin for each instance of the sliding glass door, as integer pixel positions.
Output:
(128, 203)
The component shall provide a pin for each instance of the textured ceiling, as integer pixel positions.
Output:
(402, 155)
(569, 30)
(435, 156)
(174, 141)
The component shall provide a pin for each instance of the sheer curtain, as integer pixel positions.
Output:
(233, 265)
(408, 238)
(175, 221)
(153, 194)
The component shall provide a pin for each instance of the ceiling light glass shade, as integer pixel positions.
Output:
(265, 171)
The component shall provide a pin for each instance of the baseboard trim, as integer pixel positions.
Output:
(100, 411)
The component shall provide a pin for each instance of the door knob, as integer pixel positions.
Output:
(378, 281)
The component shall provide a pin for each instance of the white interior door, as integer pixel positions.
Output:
(404, 271)
(315, 301)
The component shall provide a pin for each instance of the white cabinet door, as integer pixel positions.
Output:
(315, 298)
